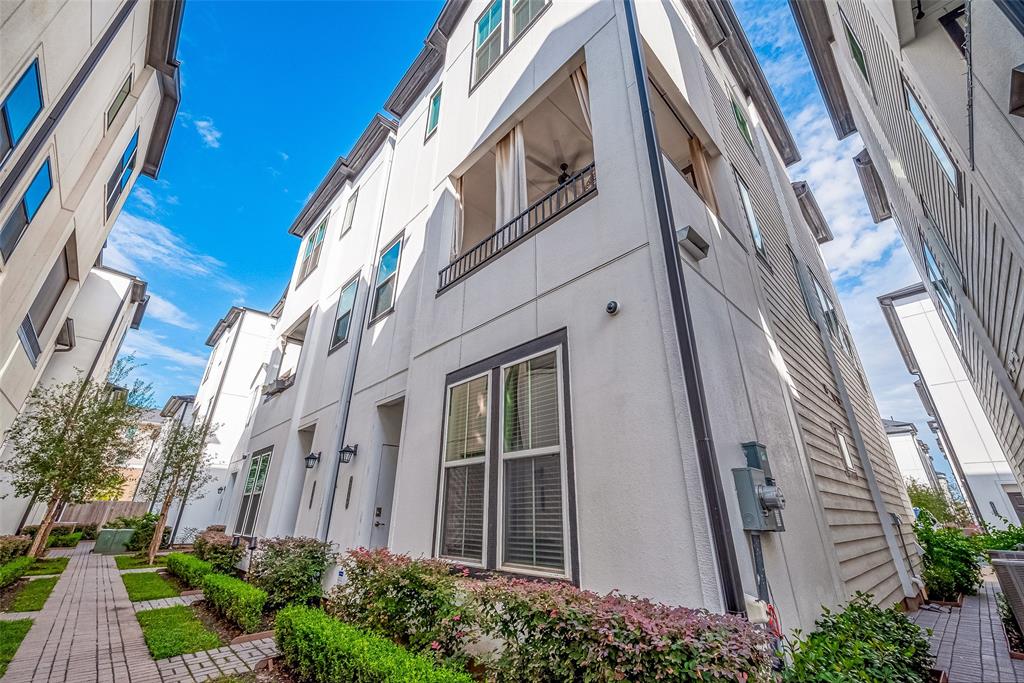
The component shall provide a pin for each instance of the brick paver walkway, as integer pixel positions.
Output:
(968, 642)
(87, 630)
(166, 602)
(87, 633)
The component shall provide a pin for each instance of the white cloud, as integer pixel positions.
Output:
(284, 156)
(145, 197)
(208, 132)
(166, 312)
(137, 241)
(146, 344)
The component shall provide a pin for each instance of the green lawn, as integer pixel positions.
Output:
(32, 595)
(11, 635)
(48, 565)
(147, 586)
(172, 631)
(136, 562)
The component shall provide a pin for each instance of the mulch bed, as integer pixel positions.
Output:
(8, 594)
(225, 630)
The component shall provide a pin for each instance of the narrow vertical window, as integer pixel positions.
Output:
(743, 125)
(856, 51)
(748, 210)
(844, 449)
(20, 108)
(488, 41)
(533, 528)
(311, 254)
(387, 280)
(43, 306)
(464, 471)
(434, 112)
(343, 317)
(940, 284)
(931, 136)
(122, 173)
(119, 100)
(350, 212)
(25, 210)
(831, 315)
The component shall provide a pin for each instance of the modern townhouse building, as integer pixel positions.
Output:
(936, 91)
(109, 304)
(88, 94)
(961, 423)
(231, 384)
(911, 454)
(147, 440)
(177, 410)
(564, 314)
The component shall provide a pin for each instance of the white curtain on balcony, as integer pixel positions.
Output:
(510, 176)
(459, 222)
(582, 88)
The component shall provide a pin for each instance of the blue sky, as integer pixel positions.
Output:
(273, 92)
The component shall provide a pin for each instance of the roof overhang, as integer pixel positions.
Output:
(139, 312)
(175, 404)
(223, 325)
(345, 168)
(722, 29)
(871, 183)
(164, 31)
(812, 212)
(428, 62)
(816, 31)
(898, 427)
(888, 304)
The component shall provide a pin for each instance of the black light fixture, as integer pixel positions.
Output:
(236, 540)
(564, 177)
(220, 490)
(312, 459)
(348, 452)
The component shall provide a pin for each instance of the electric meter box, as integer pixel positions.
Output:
(761, 501)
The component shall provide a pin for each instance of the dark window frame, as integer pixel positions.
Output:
(495, 365)
(121, 176)
(244, 506)
(334, 345)
(436, 94)
(5, 125)
(22, 212)
(376, 316)
(753, 226)
(852, 39)
(958, 181)
(348, 218)
(118, 102)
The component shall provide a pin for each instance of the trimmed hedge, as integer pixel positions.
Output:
(235, 600)
(63, 540)
(318, 648)
(188, 568)
(13, 546)
(14, 570)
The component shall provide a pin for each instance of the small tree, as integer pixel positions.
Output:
(72, 440)
(942, 509)
(183, 467)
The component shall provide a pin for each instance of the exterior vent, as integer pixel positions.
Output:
(1017, 91)
(874, 191)
(692, 242)
(65, 336)
(812, 212)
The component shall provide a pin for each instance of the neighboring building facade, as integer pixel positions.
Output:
(177, 410)
(945, 387)
(226, 398)
(88, 94)
(538, 320)
(936, 91)
(147, 440)
(911, 454)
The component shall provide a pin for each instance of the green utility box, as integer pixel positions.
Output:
(113, 541)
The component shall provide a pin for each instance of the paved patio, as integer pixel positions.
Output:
(87, 633)
(968, 642)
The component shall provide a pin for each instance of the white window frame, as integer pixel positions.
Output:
(750, 215)
(505, 38)
(436, 95)
(316, 235)
(931, 136)
(844, 449)
(566, 571)
(465, 462)
(350, 213)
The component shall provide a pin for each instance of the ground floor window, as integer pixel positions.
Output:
(259, 465)
(503, 501)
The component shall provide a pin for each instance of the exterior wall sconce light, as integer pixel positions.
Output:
(220, 490)
(348, 452)
(312, 459)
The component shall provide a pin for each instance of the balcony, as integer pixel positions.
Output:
(559, 201)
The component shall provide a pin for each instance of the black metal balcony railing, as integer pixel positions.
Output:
(566, 196)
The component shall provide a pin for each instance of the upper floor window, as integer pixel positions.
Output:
(43, 305)
(743, 124)
(942, 289)
(831, 315)
(122, 173)
(119, 100)
(350, 212)
(856, 51)
(844, 448)
(20, 108)
(931, 136)
(434, 112)
(748, 210)
(25, 210)
(343, 316)
(387, 280)
(491, 39)
(311, 254)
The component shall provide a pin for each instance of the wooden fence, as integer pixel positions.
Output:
(99, 511)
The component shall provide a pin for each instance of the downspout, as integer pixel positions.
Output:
(721, 531)
(348, 387)
(206, 427)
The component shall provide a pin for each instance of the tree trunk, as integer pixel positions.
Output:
(158, 531)
(45, 526)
